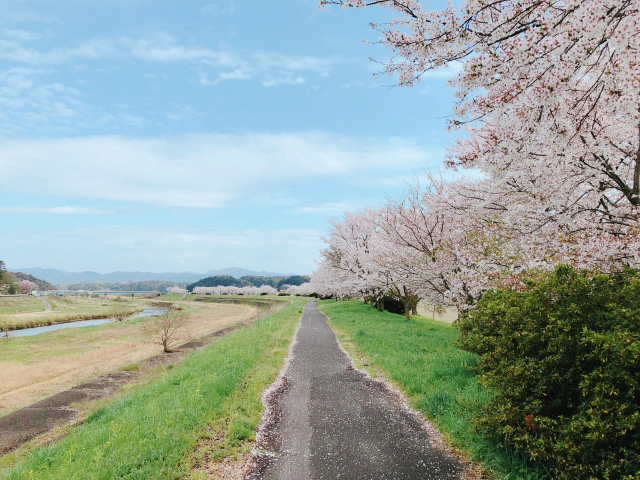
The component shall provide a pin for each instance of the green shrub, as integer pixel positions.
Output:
(562, 359)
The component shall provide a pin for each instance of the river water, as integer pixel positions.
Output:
(27, 332)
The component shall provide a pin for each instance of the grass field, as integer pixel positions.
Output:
(67, 309)
(35, 367)
(265, 302)
(207, 407)
(420, 358)
(20, 305)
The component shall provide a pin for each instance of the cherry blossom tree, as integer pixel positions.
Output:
(549, 95)
(372, 266)
(328, 280)
(27, 286)
(176, 289)
(231, 290)
(304, 290)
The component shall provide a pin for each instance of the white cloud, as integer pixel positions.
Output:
(27, 99)
(215, 65)
(55, 210)
(326, 208)
(221, 7)
(293, 63)
(88, 50)
(241, 73)
(274, 82)
(207, 171)
(163, 48)
(20, 34)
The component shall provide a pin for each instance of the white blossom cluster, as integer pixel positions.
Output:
(303, 290)
(176, 289)
(221, 290)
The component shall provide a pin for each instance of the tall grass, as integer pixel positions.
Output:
(152, 432)
(420, 357)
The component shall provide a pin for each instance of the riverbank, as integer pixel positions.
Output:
(36, 367)
(198, 414)
(21, 312)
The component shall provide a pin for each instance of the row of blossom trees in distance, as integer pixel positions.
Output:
(227, 290)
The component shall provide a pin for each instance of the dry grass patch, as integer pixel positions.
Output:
(36, 367)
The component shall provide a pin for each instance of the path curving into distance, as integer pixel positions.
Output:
(334, 422)
(47, 305)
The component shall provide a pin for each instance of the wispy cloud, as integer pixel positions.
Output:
(205, 171)
(14, 51)
(214, 65)
(54, 210)
(222, 7)
(23, 35)
(325, 208)
(162, 48)
(274, 82)
(27, 99)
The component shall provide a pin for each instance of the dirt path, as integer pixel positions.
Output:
(334, 422)
(47, 305)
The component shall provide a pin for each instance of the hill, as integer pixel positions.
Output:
(58, 277)
(42, 284)
(145, 286)
(249, 280)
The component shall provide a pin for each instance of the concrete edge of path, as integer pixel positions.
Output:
(471, 470)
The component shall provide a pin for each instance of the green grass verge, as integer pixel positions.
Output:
(20, 305)
(420, 358)
(153, 432)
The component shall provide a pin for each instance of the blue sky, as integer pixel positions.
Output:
(171, 136)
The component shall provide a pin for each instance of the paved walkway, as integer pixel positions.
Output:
(336, 423)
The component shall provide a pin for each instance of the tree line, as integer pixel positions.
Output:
(249, 281)
(539, 247)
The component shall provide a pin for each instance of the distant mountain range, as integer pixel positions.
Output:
(57, 277)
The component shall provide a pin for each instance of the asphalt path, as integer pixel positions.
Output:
(335, 422)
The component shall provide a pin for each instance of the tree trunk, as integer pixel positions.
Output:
(407, 309)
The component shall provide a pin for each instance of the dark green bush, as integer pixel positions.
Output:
(562, 359)
(390, 304)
